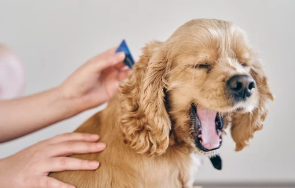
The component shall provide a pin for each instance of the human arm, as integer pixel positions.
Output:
(89, 86)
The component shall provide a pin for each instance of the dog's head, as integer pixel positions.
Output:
(184, 90)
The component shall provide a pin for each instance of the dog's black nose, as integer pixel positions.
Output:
(241, 86)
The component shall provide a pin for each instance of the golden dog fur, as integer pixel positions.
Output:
(146, 124)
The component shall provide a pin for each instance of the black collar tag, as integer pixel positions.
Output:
(216, 162)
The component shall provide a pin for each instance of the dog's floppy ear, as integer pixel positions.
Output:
(244, 125)
(144, 119)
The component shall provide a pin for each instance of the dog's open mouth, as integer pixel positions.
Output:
(208, 127)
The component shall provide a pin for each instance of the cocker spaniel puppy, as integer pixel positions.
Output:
(178, 100)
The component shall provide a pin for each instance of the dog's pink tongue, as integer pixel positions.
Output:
(210, 138)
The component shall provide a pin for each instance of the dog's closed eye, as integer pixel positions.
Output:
(200, 66)
(205, 66)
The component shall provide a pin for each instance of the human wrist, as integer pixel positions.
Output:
(66, 105)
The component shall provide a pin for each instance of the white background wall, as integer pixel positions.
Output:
(54, 37)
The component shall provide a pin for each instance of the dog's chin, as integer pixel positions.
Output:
(207, 153)
(207, 129)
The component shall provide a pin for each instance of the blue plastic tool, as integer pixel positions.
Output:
(128, 57)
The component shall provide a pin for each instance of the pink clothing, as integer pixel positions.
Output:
(12, 76)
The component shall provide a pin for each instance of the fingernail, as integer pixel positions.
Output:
(121, 55)
(94, 164)
(101, 145)
(94, 136)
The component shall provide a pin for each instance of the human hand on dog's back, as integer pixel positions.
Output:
(30, 167)
(89, 86)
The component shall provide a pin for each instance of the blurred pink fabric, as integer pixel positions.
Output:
(12, 75)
